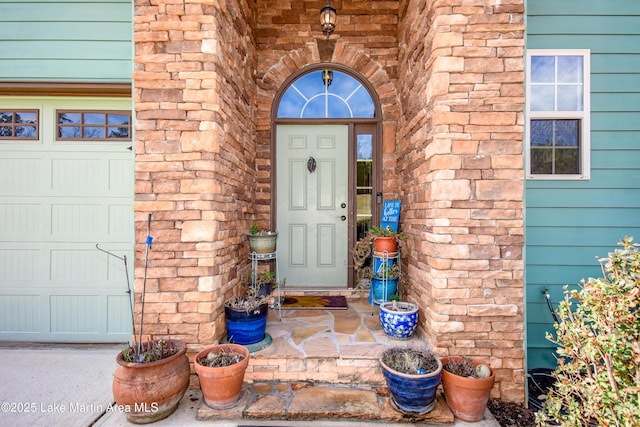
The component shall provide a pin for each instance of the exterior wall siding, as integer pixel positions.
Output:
(569, 223)
(66, 41)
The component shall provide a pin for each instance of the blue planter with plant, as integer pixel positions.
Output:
(383, 289)
(412, 377)
(399, 319)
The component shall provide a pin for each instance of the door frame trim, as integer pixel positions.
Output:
(352, 123)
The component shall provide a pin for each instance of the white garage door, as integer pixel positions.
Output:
(58, 199)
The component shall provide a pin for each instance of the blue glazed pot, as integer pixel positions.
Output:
(400, 320)
(246, 327)
(412, 394)
(378, 291)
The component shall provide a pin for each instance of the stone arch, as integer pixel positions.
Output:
(275, 74)
(344, 54)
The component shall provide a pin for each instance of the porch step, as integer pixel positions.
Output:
(310, 401)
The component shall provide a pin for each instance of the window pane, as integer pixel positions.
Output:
(70, 118)
(338, 108)
(69, 132)
(26, 117)
(541, 133)
(315, 108)
(117, 119)
(566, 133)
(308, 97)
(365, 147)
(93, 119)
(26, 132)
(122, 132)
(569, 97)
(567, 161)
(93, 133)
(542, 98)
(362, 104)
(570, 69)
(543, 69)
(541, 161)
(291, 104)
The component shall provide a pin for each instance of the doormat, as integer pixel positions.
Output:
(314, 302)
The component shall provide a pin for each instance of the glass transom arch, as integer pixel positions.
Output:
(324, 94)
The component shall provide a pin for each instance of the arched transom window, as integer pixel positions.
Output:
(326, 94)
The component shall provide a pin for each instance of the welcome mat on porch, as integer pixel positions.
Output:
(315, 302)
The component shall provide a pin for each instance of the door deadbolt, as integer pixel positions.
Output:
(343, 205)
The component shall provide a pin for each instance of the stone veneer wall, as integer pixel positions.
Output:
(194, 168)
(460, 160)
(449, 76)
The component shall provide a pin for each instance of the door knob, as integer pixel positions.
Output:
(343, 217)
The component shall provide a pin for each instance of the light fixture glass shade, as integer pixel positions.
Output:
(328, 19)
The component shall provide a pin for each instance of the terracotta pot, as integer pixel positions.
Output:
(149, 392)
(388, 244)
(222, 386)
(467, 397)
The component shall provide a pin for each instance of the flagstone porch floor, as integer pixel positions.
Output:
(323, 364)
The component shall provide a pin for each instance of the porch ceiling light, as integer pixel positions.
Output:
(328, 19)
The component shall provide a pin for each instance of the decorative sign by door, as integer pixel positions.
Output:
(390, 214)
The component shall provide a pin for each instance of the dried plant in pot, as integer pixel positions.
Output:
(412, 376)
(467, 385)
(152, 376)
(246, 316)
(221, 370)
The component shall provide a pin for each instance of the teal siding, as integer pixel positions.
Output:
(569, 223)
(66, 41)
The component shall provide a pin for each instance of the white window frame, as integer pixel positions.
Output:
(583, 116)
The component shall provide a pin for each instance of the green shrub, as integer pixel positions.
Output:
(598, 372)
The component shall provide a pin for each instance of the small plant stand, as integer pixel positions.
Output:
(383, 260)
(256, 258)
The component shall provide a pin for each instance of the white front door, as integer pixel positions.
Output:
(312, 207)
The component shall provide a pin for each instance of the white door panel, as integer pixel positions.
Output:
(311, 204)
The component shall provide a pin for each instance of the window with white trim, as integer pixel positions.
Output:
(558, 111)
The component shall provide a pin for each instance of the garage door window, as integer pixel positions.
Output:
(93, 125)
(18, 124)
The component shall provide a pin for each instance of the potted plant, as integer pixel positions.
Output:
(150, 381)
(264, 282)
(399, 319)
(467, 385)
(385, 240)
(384, 281)
(412, 376)
(262, 241)
(246, 316)
(221, 369)
(152, 376)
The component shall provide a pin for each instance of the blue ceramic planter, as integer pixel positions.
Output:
(398, 321)
(381, 293)
(413, 394)
(246, 327)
